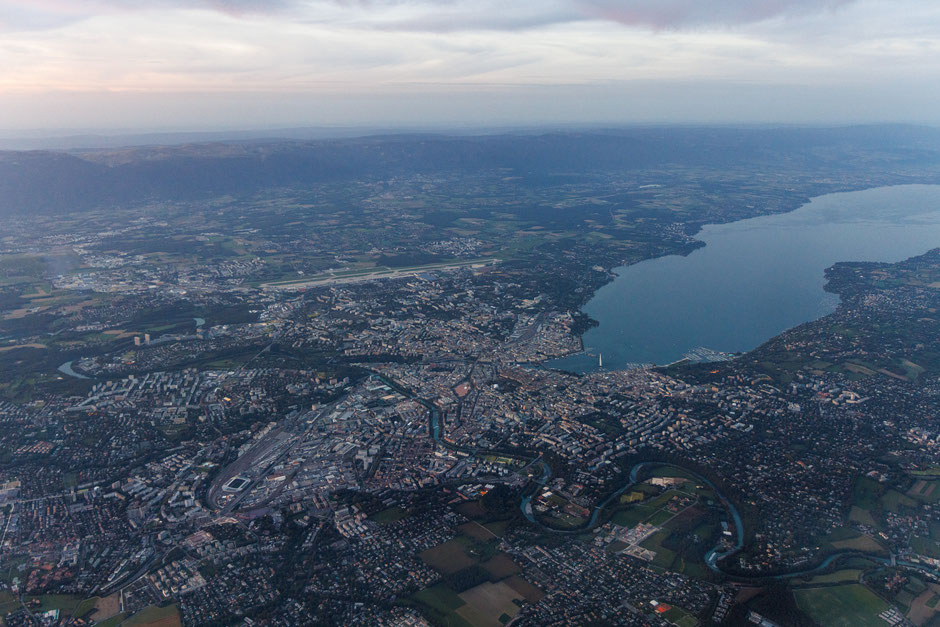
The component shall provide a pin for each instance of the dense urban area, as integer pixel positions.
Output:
(328, 403)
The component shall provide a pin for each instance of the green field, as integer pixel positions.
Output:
(660, 518)
(498, 527)
(390, 515)
(862, 516)
(488, 602)
(443, 603)
(678, 616)
(871, 499)
(678, 545)
(65, 603)
(842, 606)
(664, 557)
(865, 544)
(440, 597)
(8, 602)
(925, 491)
(893, 501)
(664, 498)
(867, 493)
(448, 557)
(839, 576)
(632, 497)
(85, 607)
(165, 615)
(926, 546)
(114, 621)
(633, 516)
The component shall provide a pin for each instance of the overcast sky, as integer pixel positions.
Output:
(217, 64)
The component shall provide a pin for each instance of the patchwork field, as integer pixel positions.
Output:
(481, 585)
(529, 592)
(686, 513)
(441, 598)
(471, 509)
(871, 500)
(448, 558)
(107, 607)
(926, 607)
(492, 601)
(925, 491)
(476, 530)
(501, 566)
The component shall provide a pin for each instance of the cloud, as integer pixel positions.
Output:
(16, 15)
(445, 16)
(456, 15)
(436, 15)
(678, 14)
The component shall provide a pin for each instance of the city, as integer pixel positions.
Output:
(238, 423)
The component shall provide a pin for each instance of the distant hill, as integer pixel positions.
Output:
(47, 181)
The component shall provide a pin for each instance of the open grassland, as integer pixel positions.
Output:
(839, 576)
(501, 566)
(491, 600)
(155, 616)
(926, 546)
(448, 557)
(865, 544)
(440, 597)
(842, 606)
(390, 515)
(65, 603)
(477, 531)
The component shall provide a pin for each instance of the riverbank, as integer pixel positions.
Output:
(713, 558)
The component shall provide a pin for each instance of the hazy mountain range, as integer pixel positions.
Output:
(56, 181)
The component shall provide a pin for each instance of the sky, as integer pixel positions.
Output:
(240, 64)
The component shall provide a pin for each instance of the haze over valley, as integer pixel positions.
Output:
(427, 313)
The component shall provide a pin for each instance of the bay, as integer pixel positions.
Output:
(753, 279)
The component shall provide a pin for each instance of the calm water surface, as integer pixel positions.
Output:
(753, 279)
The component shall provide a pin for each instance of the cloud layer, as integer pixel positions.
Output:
(445, 15)
(696, 13)
(427, 52)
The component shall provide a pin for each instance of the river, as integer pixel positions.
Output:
(717, 553)
(66, 368)
(753, 279)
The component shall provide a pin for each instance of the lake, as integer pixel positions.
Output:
(752, 279)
